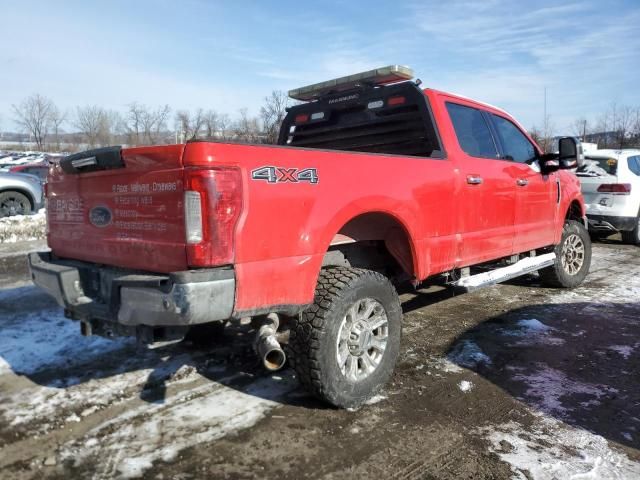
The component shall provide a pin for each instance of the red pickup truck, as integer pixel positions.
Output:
(374, 182)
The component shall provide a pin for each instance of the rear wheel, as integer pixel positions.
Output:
(14, 203)
(632, 236)
(345, 346)
(573, 258)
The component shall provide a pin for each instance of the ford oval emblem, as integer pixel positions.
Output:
(100, 216)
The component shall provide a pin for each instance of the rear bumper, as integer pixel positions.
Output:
(88, 291)
(611, 223)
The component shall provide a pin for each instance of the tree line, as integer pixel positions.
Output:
(617, 127)
(51, 128)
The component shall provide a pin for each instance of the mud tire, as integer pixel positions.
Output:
(556, 275)
(314, 336)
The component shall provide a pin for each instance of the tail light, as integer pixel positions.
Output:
(212, 206)
(616, 188)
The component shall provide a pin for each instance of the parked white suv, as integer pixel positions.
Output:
(611, 188)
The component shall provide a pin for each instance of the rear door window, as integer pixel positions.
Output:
(472, 131)
(634, 164)
(515, 145)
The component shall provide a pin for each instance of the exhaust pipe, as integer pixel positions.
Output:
(267, 345)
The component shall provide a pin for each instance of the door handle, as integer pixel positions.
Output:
(522, 182)
(474, 179)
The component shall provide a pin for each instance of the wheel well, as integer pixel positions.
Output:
(574, 212)
(23, 192)
(376, 241)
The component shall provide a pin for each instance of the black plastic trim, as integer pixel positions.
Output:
(106, 158)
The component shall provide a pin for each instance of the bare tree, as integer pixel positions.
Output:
(145, 125)
(622, 124)
(33, 116)
(224, 126)
(154, 122)
(89, 121)
(56, 119)
(581, 128)
(188, 125)
(272, 113)
(536, 135)
(210, 121)
(97, 125)
(133, 124)
(544, 136)
(247, 129)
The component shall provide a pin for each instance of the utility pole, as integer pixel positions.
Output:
(545, 128)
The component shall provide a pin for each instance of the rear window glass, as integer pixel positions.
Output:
(598, 166)
(472, 131)
(634, 164)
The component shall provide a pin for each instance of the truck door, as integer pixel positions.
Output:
(485, 207)
(536, 194)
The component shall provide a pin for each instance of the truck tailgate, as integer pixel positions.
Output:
(129, 216)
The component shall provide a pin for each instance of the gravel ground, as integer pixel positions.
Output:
(513, 381)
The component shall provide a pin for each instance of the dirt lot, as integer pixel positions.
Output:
(510, 381)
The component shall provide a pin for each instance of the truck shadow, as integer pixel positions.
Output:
(576, 362)
(39, 343)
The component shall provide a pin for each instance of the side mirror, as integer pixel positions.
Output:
(549, 163)
(570, 153)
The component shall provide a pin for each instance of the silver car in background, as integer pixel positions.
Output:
(20, 194)
(611, 188)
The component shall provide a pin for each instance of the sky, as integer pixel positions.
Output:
(230, 55)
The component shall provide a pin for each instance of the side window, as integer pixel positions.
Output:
(516, 146)
(472, 131)
(634, 164)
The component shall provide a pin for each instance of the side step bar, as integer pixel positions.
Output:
(522, 267)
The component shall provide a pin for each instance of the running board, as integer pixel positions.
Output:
(522, 267)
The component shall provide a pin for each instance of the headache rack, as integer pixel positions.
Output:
(392, 119)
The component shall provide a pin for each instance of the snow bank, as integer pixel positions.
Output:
(22, 228)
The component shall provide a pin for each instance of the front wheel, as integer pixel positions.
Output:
(573, 258)
(345, 346)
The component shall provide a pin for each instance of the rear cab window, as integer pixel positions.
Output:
(394, 119)
(472, 131)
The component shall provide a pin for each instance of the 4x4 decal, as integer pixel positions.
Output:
(283, 175)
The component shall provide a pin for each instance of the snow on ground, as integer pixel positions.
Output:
(551, 450)
(66, 378)
(467, 354)
(465, 386)
(547, 386)
(22, 228)
(44, 338)
(530, 332)
(624, 350)
(192, 417)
